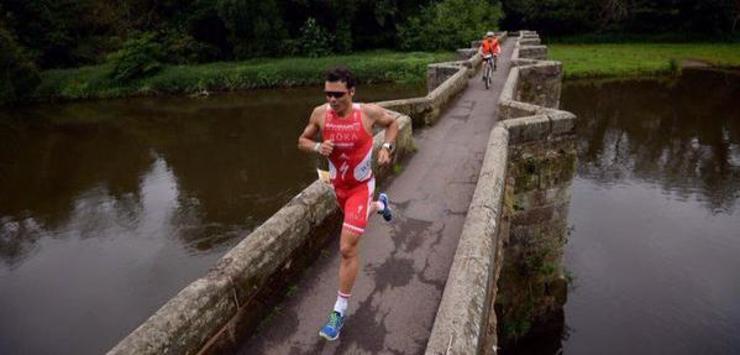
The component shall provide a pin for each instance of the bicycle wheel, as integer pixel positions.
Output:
(488, 76)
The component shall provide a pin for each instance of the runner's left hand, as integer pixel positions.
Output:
(384, 157)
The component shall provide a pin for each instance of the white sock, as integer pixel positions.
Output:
(341, 304)
(380, 206)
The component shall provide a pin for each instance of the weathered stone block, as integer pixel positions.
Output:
(466, 53)
(534, 215)
(509, 109)
(562, 122)
(527, 129)
(533, 52)
(437, 74)
(530, 41)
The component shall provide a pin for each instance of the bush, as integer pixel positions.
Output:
(182, 48)
(140, 56)
(255, 26)
(449, 24)
(19, 77)
(314, 41)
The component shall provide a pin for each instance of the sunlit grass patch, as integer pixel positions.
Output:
(604, 60)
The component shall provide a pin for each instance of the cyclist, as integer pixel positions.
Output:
(489, 49)
(346, 128)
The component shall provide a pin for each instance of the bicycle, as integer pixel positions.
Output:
(490, 67)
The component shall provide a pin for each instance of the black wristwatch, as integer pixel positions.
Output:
(388, 146)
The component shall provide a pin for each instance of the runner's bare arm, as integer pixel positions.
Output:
(306, 141)
(382, 117)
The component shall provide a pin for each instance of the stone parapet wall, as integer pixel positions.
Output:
(533, 81)
(425, 111)
(534, 52)
(533, 288)
(530, 41)
(441, 72)
(463, 323)
(466, 53)
(529, 46)
(466, 322)
(542, 161)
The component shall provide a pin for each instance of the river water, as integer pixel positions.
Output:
(654, 247)
(109, 208)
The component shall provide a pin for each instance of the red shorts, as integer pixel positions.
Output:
(355, 204)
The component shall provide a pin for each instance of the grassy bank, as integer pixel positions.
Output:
(608, 60)
(94, 82)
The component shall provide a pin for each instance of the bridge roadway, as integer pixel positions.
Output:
(404, 264)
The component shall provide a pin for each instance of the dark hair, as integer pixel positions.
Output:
(341, 73)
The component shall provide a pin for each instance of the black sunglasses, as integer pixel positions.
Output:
(335, 94)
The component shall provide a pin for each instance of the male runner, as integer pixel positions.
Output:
(346, 129)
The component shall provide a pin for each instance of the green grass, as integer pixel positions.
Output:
(610, 60)
(621, 37)
(376, 66)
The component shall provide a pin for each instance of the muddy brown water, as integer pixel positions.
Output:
(654, 247)
(109, 208)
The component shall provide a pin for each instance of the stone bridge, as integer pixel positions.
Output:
(473, 254)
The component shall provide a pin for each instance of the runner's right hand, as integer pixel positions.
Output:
(326, 148)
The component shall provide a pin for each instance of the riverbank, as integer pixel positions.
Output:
(93, 82)
(611, 60)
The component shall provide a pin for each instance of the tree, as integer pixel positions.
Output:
(736, 16)
(255, 26)
(567, 17)
(450, 24)
(314, 40)
(18, 75)
(140, 56)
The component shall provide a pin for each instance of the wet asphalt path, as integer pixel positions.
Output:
(404, 264)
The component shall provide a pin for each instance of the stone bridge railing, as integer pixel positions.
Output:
(214, 313)
(531, 134)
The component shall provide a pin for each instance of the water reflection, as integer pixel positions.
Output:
(679, 133)
(109, 208)
(654, 216)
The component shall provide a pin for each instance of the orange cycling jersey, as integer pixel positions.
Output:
(490, 46)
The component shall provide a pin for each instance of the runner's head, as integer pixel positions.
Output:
(490, 35)
(339, 88)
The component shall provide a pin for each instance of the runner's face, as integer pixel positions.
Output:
(332, 89)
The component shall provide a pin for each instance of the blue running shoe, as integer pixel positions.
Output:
(332, 328)
(386, 211)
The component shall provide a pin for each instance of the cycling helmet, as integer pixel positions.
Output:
(489, 34)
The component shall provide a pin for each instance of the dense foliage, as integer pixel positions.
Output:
(136, 38)
(71, 33)
(449, 24)
(18, 75)
(671, 19)
(140, 56)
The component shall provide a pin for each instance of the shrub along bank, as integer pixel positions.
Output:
(97, 81)
(633, 59)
